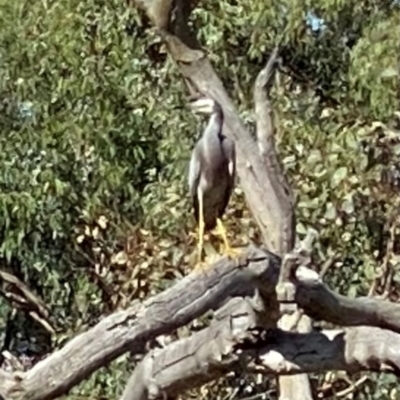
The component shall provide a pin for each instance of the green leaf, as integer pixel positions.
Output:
(338, 176)
(390, 72)
(330, 213)
(348, 205)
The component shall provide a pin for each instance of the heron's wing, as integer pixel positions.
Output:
(194, 170)
(230, 153)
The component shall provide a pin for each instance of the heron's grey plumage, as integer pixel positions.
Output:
(212, 170)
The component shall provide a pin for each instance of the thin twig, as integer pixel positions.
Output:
(352, 388)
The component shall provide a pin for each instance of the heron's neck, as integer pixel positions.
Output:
(212, 135)
(218, 116)
(216, 121)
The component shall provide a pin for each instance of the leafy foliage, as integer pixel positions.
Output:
(96, 138)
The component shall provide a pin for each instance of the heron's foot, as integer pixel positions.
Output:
(231, 252)
(212, 258)
(201, 266)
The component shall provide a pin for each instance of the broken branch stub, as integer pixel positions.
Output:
(292, 318)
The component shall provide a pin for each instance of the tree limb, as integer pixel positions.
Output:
(188, 299)
(195, 360)
(131, 329)
(262, 179)
(237, 337)
(20, 296)
(233, 342)
(284, 210)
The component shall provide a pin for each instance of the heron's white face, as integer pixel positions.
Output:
(203, 105)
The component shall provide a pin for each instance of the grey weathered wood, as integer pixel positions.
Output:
(296, 387)
(130, 329)
(283, 217)
(354, 349)
(261, 176)
(189, 362)
(189, 298)
(230, 344)
(233, 342)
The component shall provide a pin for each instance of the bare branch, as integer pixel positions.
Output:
(284, 201)
(132, 328)
(188, 299)
(16, 292)
(233, 342)
(295, 386)
(354, 349)
(267, 191)
(265, 125)
(195, 360)
(237, 338)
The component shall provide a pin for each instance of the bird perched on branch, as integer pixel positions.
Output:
(212, 172)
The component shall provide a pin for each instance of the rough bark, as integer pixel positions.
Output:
(267, 152)
(257, 271)
(188, 299)
(267, 191)
(293, 387)
(233, 343)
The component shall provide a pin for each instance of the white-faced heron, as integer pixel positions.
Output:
(211, 174)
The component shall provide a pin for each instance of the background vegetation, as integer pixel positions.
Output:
(95, 140)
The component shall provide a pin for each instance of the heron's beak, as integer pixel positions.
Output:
(202, 106)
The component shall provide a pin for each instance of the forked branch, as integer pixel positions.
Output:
(186, 300)
(235, 344)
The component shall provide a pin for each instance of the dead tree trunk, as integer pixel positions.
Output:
(263, 181)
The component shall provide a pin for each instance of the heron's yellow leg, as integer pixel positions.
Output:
(200, 264)
(229, 251)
